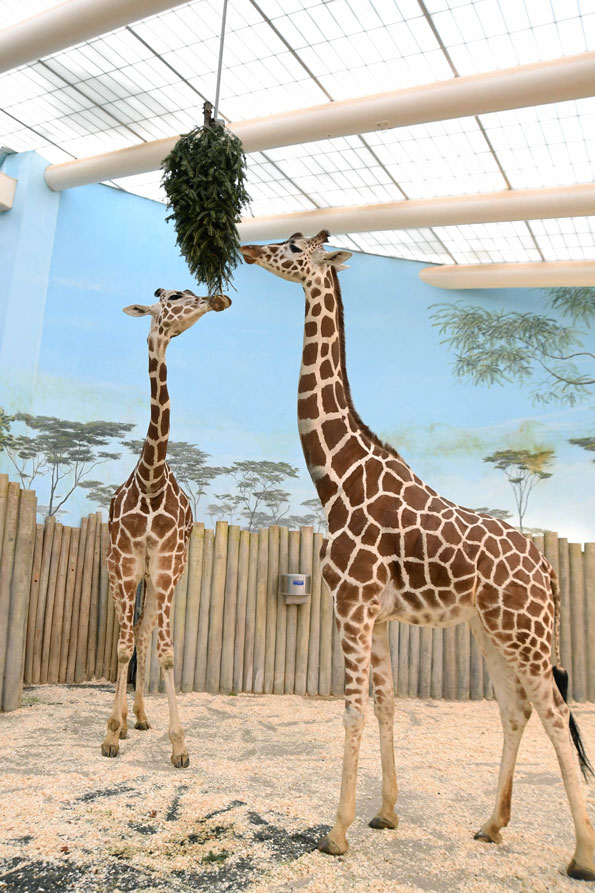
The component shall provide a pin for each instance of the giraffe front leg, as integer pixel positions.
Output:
(117, 723)
(384, 708)
(165, 653)
(356, 646)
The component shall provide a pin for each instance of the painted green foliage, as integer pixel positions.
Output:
(204, 179)
(537, 350)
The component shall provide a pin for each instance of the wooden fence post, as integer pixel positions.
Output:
(281, 633)
(251, 614)
(104, 597)
(46, 624)
(216, 608)
(11, 680)
(53, 631)
(565, 612)
(46, 558)
(68, 602)
(200, 669)
(261, 611)
(33, 593)
(9, 535)
(326, 641)
(242, 598)
(577, 595)
(589, 576)
(272, 608)
(91, 657)
(195, 554)
(437, 662)
(303, 613)
(291, 635)
(229, 609)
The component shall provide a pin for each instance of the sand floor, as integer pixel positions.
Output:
(261, 789)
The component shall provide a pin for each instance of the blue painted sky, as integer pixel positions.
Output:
(233, 376)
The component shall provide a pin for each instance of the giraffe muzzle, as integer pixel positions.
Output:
(250, 253)
(219, 303)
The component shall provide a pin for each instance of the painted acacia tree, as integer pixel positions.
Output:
(540, 352)
(257, 496)
(524, 469)
(63, 451)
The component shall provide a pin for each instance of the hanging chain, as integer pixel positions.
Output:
(221, 43)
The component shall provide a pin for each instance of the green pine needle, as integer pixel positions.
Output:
(204, 179)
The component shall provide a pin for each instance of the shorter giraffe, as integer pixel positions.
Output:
(150, 521)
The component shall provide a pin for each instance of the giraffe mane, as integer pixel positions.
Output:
(346, 386)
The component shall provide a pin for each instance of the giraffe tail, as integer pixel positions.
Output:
(561, 680)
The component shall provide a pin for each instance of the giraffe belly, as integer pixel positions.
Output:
(426, 607)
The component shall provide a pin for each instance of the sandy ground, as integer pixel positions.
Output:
(261, 789)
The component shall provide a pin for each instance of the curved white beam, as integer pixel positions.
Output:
(490, 207)
(68, 23)
(532, 275)
(572, 77)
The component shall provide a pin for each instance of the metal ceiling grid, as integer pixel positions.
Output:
(149, 80)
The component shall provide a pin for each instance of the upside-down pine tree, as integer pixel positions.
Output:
(204, 179)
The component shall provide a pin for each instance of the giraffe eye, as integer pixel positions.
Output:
(295, 249)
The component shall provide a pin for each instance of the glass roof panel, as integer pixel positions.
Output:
(149, 81)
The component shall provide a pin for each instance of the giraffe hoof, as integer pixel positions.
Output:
(580, 874)
(142, 726)
(380, 821)
(109, 750)
(331, 848)
(482, 835)
(123, 733)
(180, 760)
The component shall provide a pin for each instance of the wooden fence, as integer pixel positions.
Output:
(231, 629)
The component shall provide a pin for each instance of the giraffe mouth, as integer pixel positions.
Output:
(250, 253)
(219, 303)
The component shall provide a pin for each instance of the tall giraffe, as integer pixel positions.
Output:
(150, 522)
(398, 550)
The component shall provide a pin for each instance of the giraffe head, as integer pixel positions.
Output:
(296, 259)
(176, 311)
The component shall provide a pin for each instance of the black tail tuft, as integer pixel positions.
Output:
(561, 680)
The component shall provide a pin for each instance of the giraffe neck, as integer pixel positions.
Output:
(151, 471)
(327, 421)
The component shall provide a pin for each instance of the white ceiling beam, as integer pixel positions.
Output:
(490, 207)
(69, 23)
(7, 190)
(532, 275)
(572, 77)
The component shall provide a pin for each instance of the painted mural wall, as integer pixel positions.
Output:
(71, 262)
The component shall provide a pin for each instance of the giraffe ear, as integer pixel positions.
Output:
(337, 259)
(136, 310)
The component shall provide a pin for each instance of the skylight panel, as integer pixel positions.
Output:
(547, 145)
(489, 242)
(416, 244)
(570, 238)
(482, 36)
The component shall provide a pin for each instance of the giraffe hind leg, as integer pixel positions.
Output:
(124, 595)
(555, 717)
(142, 634)
(179, 756)
(384, 708)
(515, 710)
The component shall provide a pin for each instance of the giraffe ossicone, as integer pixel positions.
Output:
(398, 550)
(150, 522)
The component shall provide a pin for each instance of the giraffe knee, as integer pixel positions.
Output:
(125, 653)
(166, 660)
